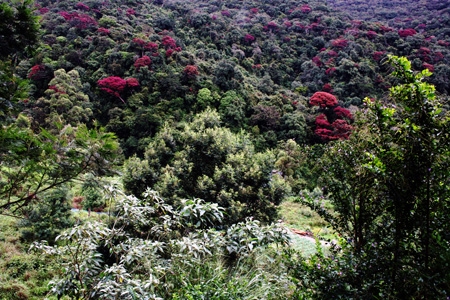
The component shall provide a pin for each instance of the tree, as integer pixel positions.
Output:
(201, 159)
(116, 85)
(333, 123)
(64, 102)
(389, 189)
(19, 28)
(34, 162)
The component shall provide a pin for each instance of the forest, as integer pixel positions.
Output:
(224, 149)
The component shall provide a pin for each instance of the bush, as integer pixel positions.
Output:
(200, 159)
(45, 220)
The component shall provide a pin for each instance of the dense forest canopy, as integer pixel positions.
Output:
(188, 124)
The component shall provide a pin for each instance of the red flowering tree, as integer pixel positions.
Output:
(272, 26)
(340, 43)
(316, 60)
(82, 6)
(371, 34)
(428, 66)
(377, 55)
(132, 83)
(333, 122)
(249, 38)
(323, 99)
(305, 8)
(113, 86)
(151, 46)
(327, 87)
(168, 42)
(191, 71)
(103, 31)
(144, 61)
(406, 32)
(39, 72)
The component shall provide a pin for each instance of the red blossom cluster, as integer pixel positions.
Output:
(288, 24)
(377, 55)
(249, 38)
(327, 88)
(43, 10)
(341, 130)
(169, 52)
(339, 43)
(406, 32)
(254, 10)
(305, 8)
(191, 71)
(132, 82)
(257, 66)
(323, 99)
(438, 56)
(53, 87)
(332, 53)
(144, 61)
(82, 6)
(316, 60)
(139, 42)
(37, 72)
(272, 25)
(424, 51)
(116, 85)
(131, 12)
(80, 21)
(83, 22)
(103, 30)
(168, 42)
(343, 113)
(337, 128)
(68, 16)
(330, 71)
(113, 86)
(225, 13)
(371, 34)
(428, 66)
(321, 121)
(384, 29)
(151, 46)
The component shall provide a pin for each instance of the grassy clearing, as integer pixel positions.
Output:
(298, 216)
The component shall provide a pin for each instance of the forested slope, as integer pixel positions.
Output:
(138, 64)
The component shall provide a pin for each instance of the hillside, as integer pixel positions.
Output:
(257, 62)
(171, 149)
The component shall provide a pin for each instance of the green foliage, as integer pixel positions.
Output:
(64, 102)
(174, 258)
(46, 219)
(34, 163)
(201, 159)
(19, 28)
(388, 187)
